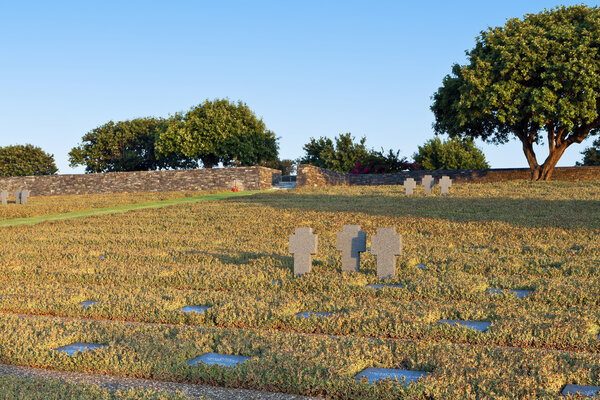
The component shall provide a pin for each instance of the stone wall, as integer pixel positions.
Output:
(247, 178)
(311, 176)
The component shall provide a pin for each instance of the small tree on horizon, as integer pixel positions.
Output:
(455, 153)
(26, 160)
(591, 155)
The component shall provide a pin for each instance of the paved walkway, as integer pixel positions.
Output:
(115, 383)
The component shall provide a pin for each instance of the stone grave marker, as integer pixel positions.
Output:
(193, 309)
(445, 184)
(224, 360)
(303, 245)
(24, 196)
(308, 314)
(377, 374)
(586, 391)
(427, 183)
(383, 286)
(517, 292)
(409, 186)
(386, 244)
(89, 303)
(72, 349)
(4, 196)
(17, 194)
(481, 326)
(351, 241)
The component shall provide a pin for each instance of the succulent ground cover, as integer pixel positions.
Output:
(232, 255)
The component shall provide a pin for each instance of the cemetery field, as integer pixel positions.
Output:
(463, 256)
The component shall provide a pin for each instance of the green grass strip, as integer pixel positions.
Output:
(122, 208)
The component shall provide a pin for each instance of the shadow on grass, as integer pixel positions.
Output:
(566, 214)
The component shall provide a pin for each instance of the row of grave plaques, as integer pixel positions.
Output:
(428, 182)
(20, 196)
(386, 245)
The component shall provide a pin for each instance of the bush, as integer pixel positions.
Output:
(379, 163)
(591, 155)
(26, 160)
(455, 153)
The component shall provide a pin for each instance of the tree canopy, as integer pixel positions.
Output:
(126, 146)
(591, 155)
(220, 131)
(535, 79)
(456, 153)
(26, 160)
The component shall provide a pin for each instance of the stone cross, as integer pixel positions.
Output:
(386, 244)
(4, 196)
(445, 184)
(428, 183)
(351, 241)
(24, 196)
(17, 194)
(409, 186)
(303, 245)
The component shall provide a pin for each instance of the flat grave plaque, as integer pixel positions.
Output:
(193, 309)
(481, 326)
(308, 314)
(382, 286)
(586, 391)
(421, 266)
(224, 360)
(276, 282)
(377, 374)
(519, 293)
(89, 303)
(72, 349)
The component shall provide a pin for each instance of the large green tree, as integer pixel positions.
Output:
(456, 153)
(26, 160)
(126, 146)
(591, 155)
(535, 79)
(220, 131)
(339, 156)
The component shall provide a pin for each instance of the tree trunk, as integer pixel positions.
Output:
(531, 159)
(548, 166)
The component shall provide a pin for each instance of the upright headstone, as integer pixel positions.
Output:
(303, 245)
(409, 186)
(428, 183)
(4, 196)
(386, 244)
(351, 241)
(24, 196)
(445, 184)
(17, 194)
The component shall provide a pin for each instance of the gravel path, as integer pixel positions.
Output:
(115, 383)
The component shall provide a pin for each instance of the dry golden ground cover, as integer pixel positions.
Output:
(144, 265)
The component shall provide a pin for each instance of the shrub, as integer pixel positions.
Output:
(26, 160)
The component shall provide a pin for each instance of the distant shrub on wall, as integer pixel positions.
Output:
(26, 160)
(454, 153)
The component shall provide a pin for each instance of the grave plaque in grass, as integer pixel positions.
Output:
(481, 326)
(89, 303)
(193, 309)
(72, 349)
(308, 314)
(421, 266)
(386, 244)
(383, 286)
(427, 182)
(4, 197)
(351, 241)
(377, 374)
(586, 391)
(445, 184)
(517, 292)
(224, 360)
(409, 186)
(303, 245)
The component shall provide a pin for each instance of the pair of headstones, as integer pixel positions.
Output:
(427, 181)
(386, 244)
(21, 196)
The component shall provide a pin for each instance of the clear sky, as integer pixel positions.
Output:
(308, 68)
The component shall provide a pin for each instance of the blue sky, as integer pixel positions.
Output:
(309, 68)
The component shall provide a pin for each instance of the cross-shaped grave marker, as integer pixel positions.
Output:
(24, 196)
(4, 196)
(351, 241)
(303, 245)
(17, 194)
(386, 244)
(427, 183)
(409, 186)
(445, 184)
